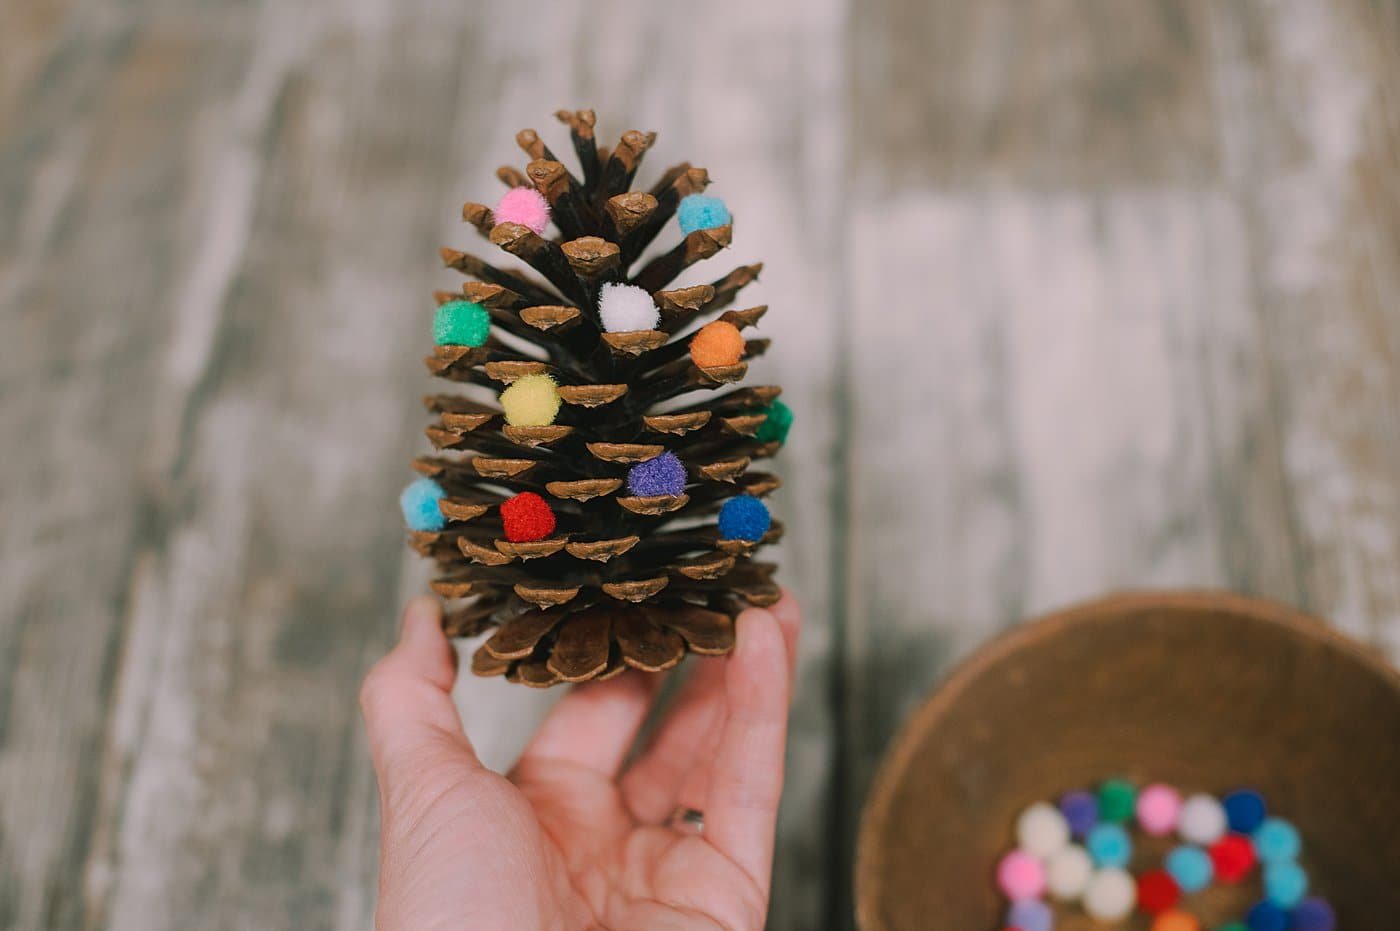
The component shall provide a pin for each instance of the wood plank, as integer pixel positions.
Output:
(1083, 385)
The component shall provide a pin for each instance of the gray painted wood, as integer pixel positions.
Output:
(1067, 297)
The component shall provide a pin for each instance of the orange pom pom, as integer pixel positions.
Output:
(716, 344)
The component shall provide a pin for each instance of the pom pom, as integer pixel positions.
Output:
(531, 401)
(1157, 891)
(1041, 830)
(1117, 799)
(1285, 883)
(1158, 808)
(1244, 810)
(1176, 921)
(419, 503)
(1020, 876)
(701, 212)
(1266, 916)
(1191, 867)
(717, 344)
(1067, 873)
(461, 323)
(1233, 926)
(660, 475)
(1277, 840)
(1109, 845)
(523, 205)
(775, 428)
(626, 308)
(1030, 915)
(1232, 858)
(1202, 820)
(1081, 810)
(1314, 915)
(1110, 895)
(744, 518)
(526, 518)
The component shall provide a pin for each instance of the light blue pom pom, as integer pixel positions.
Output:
(1277, 840)
(1285, 883)
(1191, 867)
(744, 518)
(1109, 845)
(419, 502)
(702, 212)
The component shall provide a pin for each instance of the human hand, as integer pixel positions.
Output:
(571, 839)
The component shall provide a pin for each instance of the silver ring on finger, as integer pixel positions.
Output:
(687, 820)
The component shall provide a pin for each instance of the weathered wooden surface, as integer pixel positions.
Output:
(1067, 297)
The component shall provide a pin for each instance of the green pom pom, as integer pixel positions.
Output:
(1117, 800)
(776, 427)
(461, 323)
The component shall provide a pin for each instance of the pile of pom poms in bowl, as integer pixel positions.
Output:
(1079, 852)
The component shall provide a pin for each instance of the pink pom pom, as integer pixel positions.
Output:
(1020, 876)
(525, 206)
(1158, 809)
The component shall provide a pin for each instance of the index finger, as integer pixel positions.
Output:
(747, 781)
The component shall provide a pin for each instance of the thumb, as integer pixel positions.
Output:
(406, 698)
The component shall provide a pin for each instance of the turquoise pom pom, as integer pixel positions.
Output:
(1285, 883)
(1277, 840)
(701, 212)
(1109, 845)
(461, 323)
(1191, 867)
(419, 503)
(744, 518)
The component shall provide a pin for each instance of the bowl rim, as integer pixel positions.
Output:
(948, 688)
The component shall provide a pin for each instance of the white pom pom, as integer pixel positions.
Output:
(1041, 830)
(1067, 873)
(1202, 820)
(1110, 895)
(625, 308)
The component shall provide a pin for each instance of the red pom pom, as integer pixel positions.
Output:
(1157, 891)
(1233, 856)
(526, 518)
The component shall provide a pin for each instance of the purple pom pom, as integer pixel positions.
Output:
(1314, 915)
(662, 475)
(1081, 810)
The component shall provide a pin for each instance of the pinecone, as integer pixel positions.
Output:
(598, 510)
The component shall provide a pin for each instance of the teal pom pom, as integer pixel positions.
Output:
(1285, 883)
(701, 212)
(419, 503)
(461, 323)
(1191, 867)
(1110, 846)
(776, 427)
(1277, 840)
(744, 518)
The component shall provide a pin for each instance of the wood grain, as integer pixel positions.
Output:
(1116, 287)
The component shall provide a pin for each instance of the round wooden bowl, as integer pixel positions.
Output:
(1205, 691)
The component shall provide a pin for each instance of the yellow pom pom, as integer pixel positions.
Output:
(532, 401)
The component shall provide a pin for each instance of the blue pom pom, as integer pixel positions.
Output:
(661, 475)
(744, 518)
(1191, 867)
(1285, 883)
(1244, 810)
(1277, 840)
(1266, 916)
(1109, 845)
(419, 502)
(701, 212)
